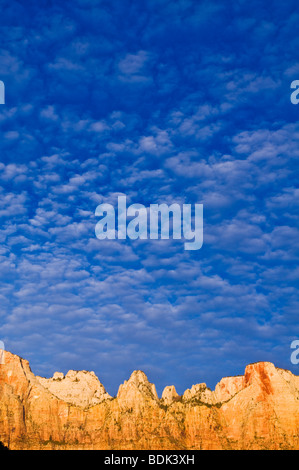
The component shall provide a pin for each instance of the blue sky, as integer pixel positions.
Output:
(164, 101)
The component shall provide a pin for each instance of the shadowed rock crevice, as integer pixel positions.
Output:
(3, 447)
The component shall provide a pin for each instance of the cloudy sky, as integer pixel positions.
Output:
(182, 101)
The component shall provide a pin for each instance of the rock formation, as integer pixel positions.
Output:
(80, 388)
(169, 395)
(259, 410)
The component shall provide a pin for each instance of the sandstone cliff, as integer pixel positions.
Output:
(256, 411)
(80, 388)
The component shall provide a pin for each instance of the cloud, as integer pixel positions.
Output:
(158, 101)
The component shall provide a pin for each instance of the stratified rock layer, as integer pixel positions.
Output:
(256, 411)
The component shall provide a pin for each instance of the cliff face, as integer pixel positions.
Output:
(256, 411)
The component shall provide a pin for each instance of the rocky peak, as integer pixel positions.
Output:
(58, 376)
(199, 392)
(269, 380)
(138, 377)
(169, 394)
(259, 371)
(137, 389)
(81, 388)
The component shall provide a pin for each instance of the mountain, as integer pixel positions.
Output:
(259, 410)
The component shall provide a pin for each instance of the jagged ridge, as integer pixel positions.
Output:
(256, 411)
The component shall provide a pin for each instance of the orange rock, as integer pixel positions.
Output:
(256, 411)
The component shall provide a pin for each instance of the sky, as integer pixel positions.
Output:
(164, 101)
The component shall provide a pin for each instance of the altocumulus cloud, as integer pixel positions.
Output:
(164, 102)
